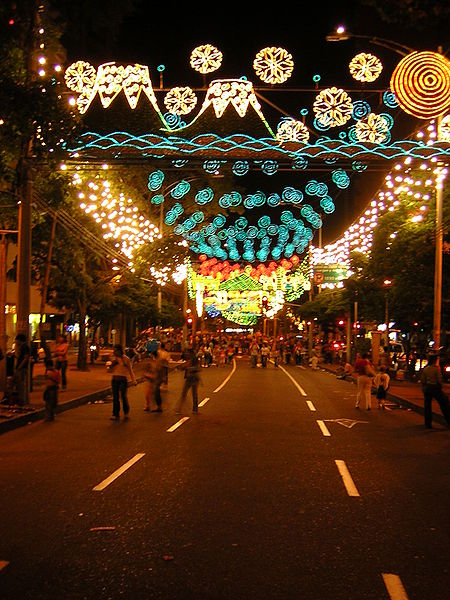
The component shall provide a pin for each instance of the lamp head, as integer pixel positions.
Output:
(339, 35)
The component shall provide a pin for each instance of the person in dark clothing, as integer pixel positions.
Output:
(22, 355)
(191, 368)
(431, 379)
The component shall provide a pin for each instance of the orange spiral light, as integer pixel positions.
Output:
(421, 84)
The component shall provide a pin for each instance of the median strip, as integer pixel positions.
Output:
(101, 486)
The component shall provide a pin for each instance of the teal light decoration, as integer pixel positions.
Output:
(241, 223)
(219, 221)
(316, 78)
(359, 166)
(292, 195)
(316, 188)
(319, 126)
(155, 180)
(198, 217)
(273, 200)
(269, 167)
(300, 163)
(173, 121)
(340, 178)
(361, 109)
(181, 189)
(157, 199)
(161, 68)
(252, 232)
(304, 112)
(389, 99)
(212, 166)
(241, 167)
(230, 200)
(264, 222)
(204, 196)
(342, 135)
(180, 163)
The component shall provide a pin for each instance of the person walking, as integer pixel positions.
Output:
(62, 358)
(431, 379)
(381, 384)
(265, 352)
(254, 353)
(191, 368)
(364, 372)
(121, 370)
(164, 357)
(52, 378)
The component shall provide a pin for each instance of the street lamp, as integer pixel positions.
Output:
(341, 35)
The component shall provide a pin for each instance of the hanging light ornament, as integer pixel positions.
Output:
(365, 67)
(206, 59)
(290, 130)
(333, 107)
(180, 100)
(273, 65)
(421, 84)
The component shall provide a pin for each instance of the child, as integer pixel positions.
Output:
(381, 384)
(51, 390)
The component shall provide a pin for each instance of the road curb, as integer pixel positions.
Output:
(39, 414)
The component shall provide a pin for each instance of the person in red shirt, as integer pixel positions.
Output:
(364, 372)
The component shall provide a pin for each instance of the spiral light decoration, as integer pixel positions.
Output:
(421, 84)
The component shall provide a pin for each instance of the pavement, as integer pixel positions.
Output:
(94, 385)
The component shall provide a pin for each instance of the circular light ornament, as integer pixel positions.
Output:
(333, 107)
(273, 65)
(374, 128)
(292, 131)
(79, 76)
(421, 84)
(206, 59)
(365, 67)
(180, 100)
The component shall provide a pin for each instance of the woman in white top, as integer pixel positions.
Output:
(121, 370)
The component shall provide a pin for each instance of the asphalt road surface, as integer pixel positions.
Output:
(277, 489)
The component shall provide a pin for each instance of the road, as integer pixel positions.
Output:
(277, 489)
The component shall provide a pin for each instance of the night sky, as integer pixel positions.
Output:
(166, 33)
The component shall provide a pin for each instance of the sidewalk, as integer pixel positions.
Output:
(404, 393)
(82, 387)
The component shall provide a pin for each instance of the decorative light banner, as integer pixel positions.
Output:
(236, 292)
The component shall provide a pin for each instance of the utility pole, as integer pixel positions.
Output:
(3, 336)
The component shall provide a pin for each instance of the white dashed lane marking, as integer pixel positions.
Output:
(177, 424)
(101, 486)
(347, 478)
(323, 428)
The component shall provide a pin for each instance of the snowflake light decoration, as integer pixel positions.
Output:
(365, 67)
(180, 100)
(80, 75)
(292, 131)
(273, 65)
(333, 107)
(206, 59)
(373, 128)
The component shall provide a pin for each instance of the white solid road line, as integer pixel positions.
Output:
(204, 401)
(3, 564)
(347, 478)
(324, 429)
(227, 379)
(178, 424)
(394, 587)
(299, 387)
(311, 405)
(101, 486)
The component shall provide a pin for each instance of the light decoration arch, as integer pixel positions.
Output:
(180, 100)
(365, 67)
(333, 107)
(421, 84)
(273, 65)
(206, 59)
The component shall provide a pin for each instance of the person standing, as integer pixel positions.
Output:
(22, 356)
(254, 353)
(164, 358)
(51, 389)
(381, 384)
(62, 358)
(191, 368)
(431, 379)
(364, 372)
(121, 370)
